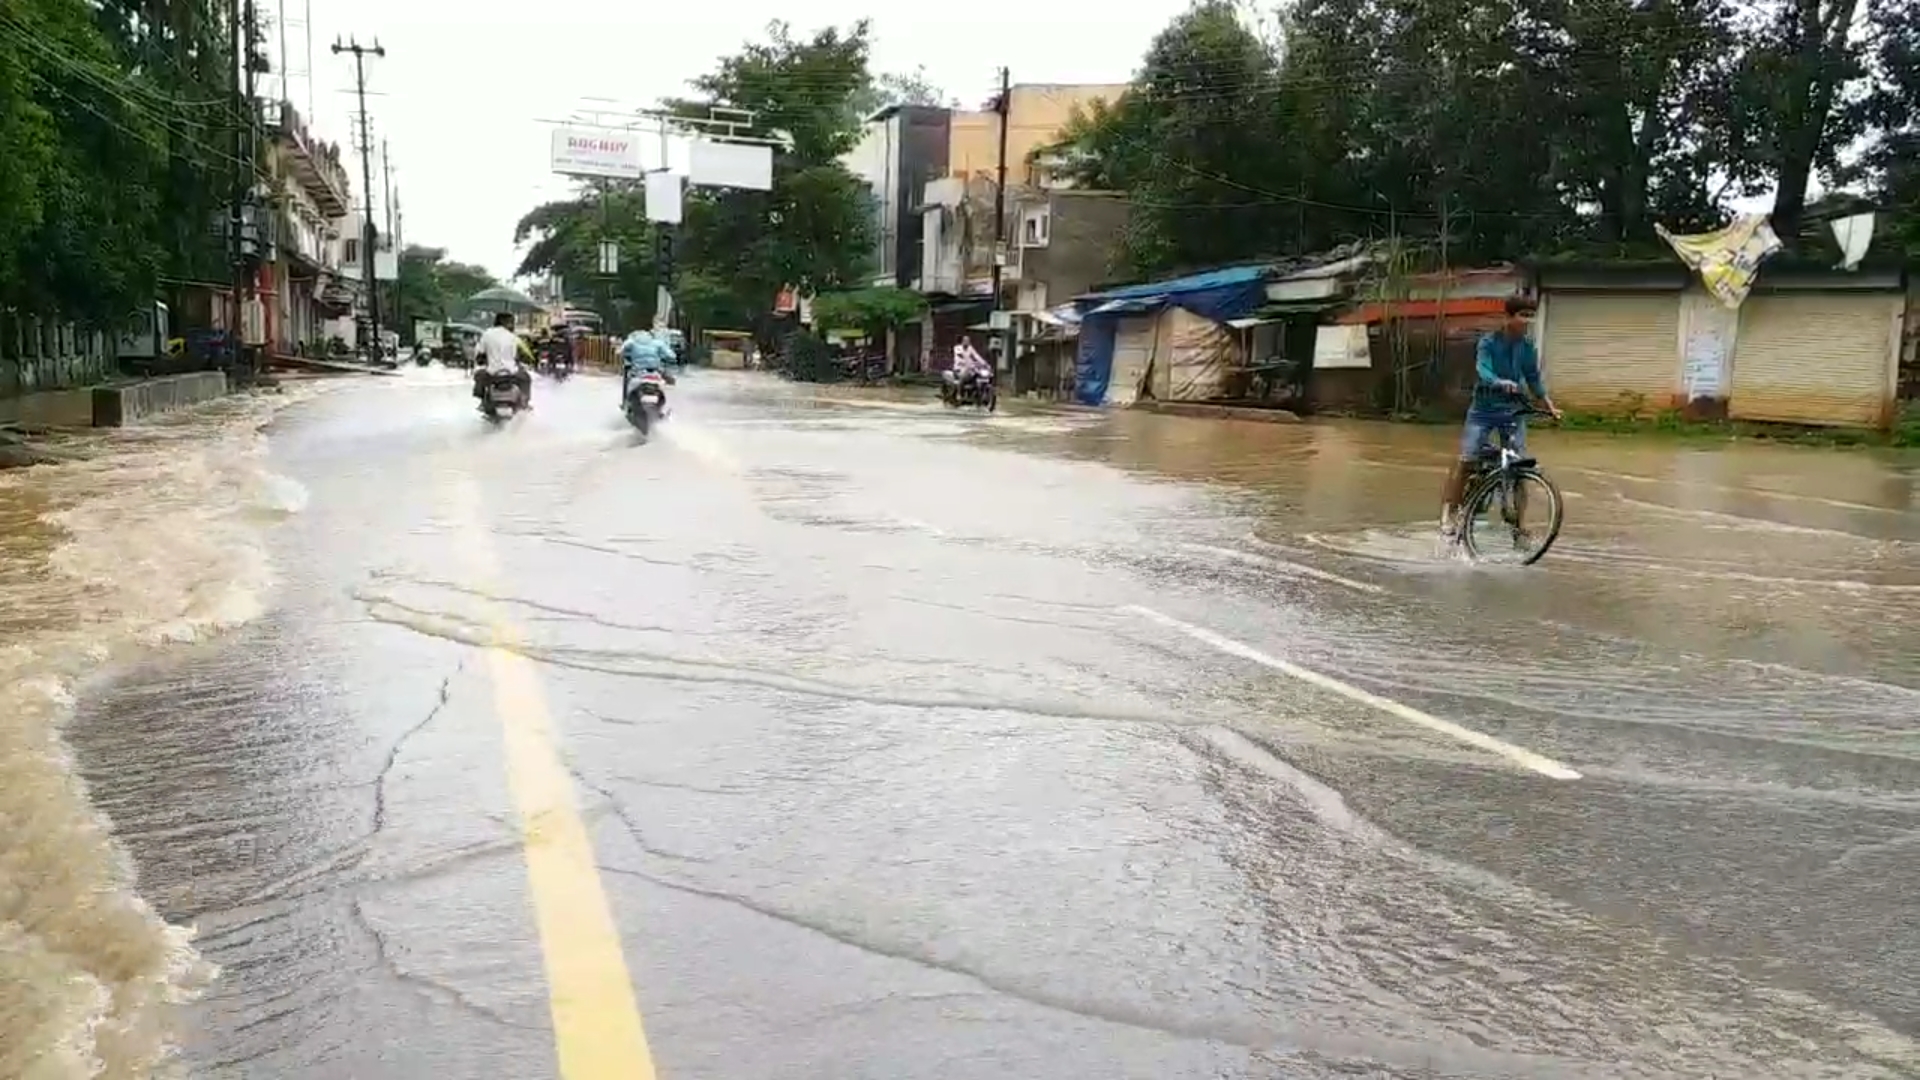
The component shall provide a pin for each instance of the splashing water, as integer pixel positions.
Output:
(149, 536)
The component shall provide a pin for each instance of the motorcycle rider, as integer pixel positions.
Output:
(969, 367)
(642, 353)
(498, 353)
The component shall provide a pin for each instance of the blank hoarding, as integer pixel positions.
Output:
(735, 165)
(663, 198)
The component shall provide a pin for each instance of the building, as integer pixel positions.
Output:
(901, 148)
(311, 196)
(1810, 344)
(1057, 242)
(1036, 115)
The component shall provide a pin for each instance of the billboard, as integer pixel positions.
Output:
(579, 151)
(735, 165)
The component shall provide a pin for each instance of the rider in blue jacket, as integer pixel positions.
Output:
(643, 352)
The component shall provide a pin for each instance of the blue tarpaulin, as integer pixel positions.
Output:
(1219, 295)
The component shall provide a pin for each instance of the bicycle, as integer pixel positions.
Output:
(1500, 479)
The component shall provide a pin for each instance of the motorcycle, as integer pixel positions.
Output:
(502, 398)
(977, 391)
(646, 398)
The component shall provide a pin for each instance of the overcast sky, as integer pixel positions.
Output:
(464, 87)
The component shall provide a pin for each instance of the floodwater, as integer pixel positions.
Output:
(909, 743)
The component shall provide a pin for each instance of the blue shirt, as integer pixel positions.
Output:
(643, 354)
(1512, 359)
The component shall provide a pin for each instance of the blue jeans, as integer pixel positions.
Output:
(1481, 428)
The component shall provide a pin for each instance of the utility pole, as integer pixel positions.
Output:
(245, 147)
(386, 171)
(1002, 105)
(360, 53)
(402, 324)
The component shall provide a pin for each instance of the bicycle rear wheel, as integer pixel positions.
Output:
(1514, 513)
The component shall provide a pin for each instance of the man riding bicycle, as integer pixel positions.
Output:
(1507, 367)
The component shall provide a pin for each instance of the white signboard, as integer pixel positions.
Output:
(596, 152)
(1342, 347)
(386, 266)
(735, 165)
(663, 198)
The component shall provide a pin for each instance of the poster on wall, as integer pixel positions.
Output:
(1344, 346)
(1711, 327)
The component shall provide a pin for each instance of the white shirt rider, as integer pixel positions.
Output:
(501, 349)
(967, 360)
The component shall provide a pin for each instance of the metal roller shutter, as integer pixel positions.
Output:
(1815, 358)
(1612, 351)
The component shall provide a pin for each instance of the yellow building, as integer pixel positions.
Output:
(1036, 114)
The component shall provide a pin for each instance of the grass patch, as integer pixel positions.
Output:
(1670, 423)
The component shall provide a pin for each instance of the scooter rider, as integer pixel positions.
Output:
(642, 353)
(968, 365)
(499, 353)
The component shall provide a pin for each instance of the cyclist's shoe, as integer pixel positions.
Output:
(1450, 526)
(1522, 539)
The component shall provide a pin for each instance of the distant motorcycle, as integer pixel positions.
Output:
(976, 391)
(502, 399)
(646, 401)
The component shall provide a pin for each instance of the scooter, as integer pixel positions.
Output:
(646, 400)
(502, 398)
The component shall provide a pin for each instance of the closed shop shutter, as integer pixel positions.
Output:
(1612, 352)
(1132, 348)
(1815, 358)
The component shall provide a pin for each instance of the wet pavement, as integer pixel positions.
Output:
(831, 734)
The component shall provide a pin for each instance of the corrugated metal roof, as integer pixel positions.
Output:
(1160, 290)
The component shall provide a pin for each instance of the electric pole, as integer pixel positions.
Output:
(360, 53)
(1003, 105)
(245, 147)
(386, 172)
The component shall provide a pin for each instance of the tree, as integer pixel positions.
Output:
(115, 132)
(911, 88)
(1197, 121)
(1796, 83)
(813, 229)
(1891, 163)
(566, 238)
(872, 311)
(433, 289)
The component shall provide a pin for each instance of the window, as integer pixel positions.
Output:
(350, 251)
(1033, 228)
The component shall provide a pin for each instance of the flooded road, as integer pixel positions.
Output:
(838, 735)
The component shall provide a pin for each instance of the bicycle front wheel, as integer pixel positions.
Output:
(1513, 515)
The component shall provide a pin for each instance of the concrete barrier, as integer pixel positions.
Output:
(114, 406)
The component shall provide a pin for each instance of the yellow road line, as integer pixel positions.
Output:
(597, 1030)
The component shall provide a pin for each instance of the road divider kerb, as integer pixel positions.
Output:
(1521, 756)
(597, 1029)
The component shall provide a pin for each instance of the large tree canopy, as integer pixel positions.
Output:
(1504, 127)
(115, 134)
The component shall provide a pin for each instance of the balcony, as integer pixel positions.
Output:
(315, 163)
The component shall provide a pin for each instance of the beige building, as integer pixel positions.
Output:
(1036, 114)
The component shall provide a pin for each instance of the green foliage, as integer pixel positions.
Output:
(808, 359)
(116, 141)
(867, 309)
(433, 289)
(566, 238)
(1502, 128)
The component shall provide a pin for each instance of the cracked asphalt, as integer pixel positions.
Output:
(909, 744)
